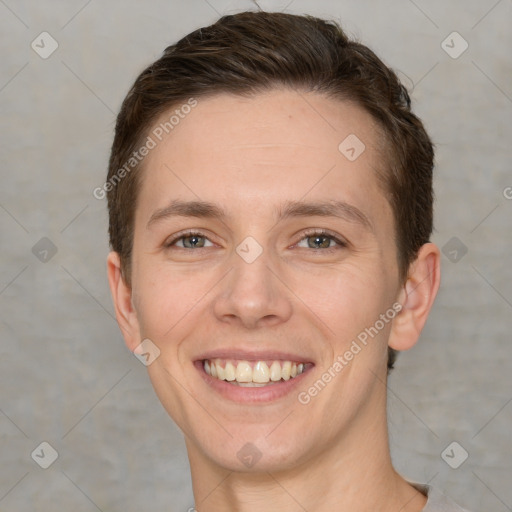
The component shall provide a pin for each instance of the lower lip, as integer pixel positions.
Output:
(242, 394)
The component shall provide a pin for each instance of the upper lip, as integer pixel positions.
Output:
(253, 355)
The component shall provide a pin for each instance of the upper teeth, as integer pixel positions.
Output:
(260, 372)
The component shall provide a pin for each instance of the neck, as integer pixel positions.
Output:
(354, 473)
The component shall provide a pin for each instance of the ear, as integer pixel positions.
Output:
(122, 297)
(416, 298)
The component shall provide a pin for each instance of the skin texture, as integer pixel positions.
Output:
(250, 156)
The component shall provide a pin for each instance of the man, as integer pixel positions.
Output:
(270, 202)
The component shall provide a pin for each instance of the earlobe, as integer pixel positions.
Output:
(416, 297)
(122, 297)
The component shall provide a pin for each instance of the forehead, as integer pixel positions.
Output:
(276, 146)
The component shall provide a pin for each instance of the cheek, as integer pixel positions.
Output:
(167, 299)
(349, 302)
(345, 297)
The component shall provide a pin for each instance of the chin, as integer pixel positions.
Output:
(258, 456)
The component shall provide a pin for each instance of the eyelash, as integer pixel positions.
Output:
(307, 234)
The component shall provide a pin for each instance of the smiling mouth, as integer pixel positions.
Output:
(253, 373)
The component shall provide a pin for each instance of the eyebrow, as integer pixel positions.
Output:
(289, 209)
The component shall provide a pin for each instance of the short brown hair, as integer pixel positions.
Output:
(251, 52)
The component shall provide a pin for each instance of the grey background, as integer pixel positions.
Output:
(65, 375)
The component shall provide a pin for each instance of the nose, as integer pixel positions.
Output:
(253, 294)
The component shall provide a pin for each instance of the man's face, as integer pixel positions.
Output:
(257, 288)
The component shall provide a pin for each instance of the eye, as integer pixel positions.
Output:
(321, 239)
(318, 239)
(190, 240)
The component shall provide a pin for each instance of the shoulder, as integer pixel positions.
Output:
(437, 501)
